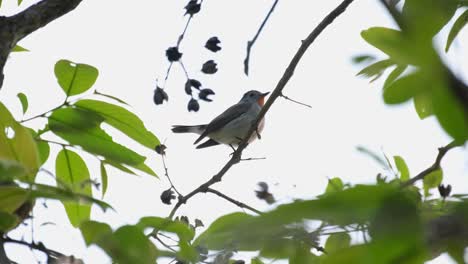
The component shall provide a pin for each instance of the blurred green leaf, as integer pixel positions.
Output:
(256, 260)
(7, 221)
(24, 101)
(215, 237)
(72, 170)
(187, 253)
(424, 20)
(163, 224)
(362, 58)
(404, 88)
(18, 48)
(376, 69)
(18, 144)
(11, 198)
(389, 41)
(123, 120)
(93, 232)
(130, 245)
(75, 78)
(423, 105)
(395, 74)
(334, 185)
(64, 195)
(127, 244)
(450, 113)
(432, 180)
(337, 242)
(10, 170)
(456, 28)
(280, 248)
(376, 157)
(80, 127)
(104, 178)
(303, 256)
(402, 168)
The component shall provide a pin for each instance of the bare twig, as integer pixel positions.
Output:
(164, 243)
(166, 172)
(36, 246)
(435, 166)
(250, 43)
(236, 156)
(294, 101)
(238, 203)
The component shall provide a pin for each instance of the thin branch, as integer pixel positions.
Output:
(166, 172)
(238, 203)
(36, 246)
(294, 101)
(435, 166)
(164, 243)
(236, 156)
(250, 43)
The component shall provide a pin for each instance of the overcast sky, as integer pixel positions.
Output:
(126, 41)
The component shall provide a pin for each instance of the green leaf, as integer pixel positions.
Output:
(423, 105)
(11, 198)
(103, 179)
(402, 168)
(119, 166)
(44, 151)
(450, 113)
(11, 170)
(16, 143)
(18, 48)
(215, 237)
(336, 242)
(163, 224)
(376, 157)
(279, 248)
(81, 128)
(72, 170)
(111, 97)
(256, 260)
(130, 245)
(24, 101)
(93, 232)
(424, 20)
(388, 41)
(75, 78)
(64, 195)
(395, 74)
(123, 120)
(334, 185)
(404, 88)
(362, 58)
(456, 28)
(7, 221)
(432, 180)
(376, 69)
(144, 168)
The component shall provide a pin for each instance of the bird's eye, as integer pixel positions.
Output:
(251, 95)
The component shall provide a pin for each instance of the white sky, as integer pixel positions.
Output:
(126, 41)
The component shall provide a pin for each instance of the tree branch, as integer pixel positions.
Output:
(15, 28)
(238, 203)
(236, 156)
(250, 43)
(435, 166)
(36, 246)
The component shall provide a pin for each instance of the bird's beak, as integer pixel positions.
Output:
(265, 94)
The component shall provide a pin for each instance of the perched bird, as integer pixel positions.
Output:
(232, 125)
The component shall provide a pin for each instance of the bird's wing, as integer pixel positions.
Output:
(207, 143)
(227, 116)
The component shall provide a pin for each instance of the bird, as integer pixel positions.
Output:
(231, 126)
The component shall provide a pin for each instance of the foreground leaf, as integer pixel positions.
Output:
(18, 144)
(72, 170)
(402, 168)
(123, 120)
(456, 28)
(75, 78)
(24, 101)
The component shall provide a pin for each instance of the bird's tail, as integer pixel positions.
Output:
(189, 129)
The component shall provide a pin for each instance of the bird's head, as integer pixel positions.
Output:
(254, 96)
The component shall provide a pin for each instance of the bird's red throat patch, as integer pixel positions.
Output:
(261, 101)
